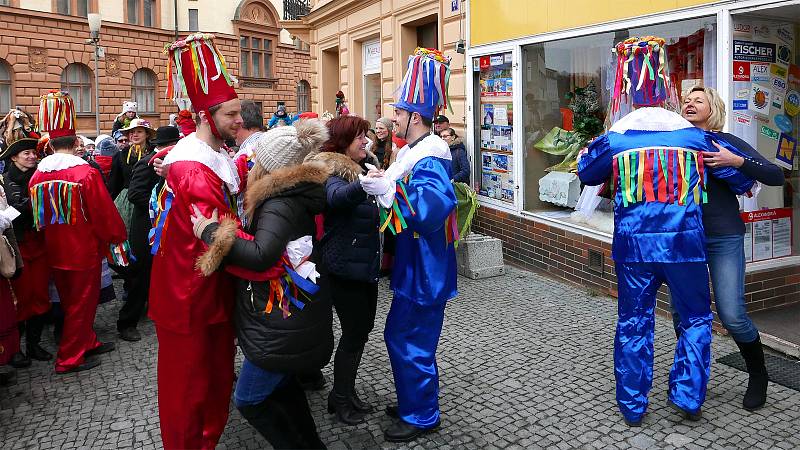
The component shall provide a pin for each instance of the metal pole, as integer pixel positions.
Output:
(175, 4)
(96, 89)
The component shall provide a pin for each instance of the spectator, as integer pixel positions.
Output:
(384, 146)
(440, 123)
(124, 119)
(460, 166)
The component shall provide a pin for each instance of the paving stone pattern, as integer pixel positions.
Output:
(525, 362)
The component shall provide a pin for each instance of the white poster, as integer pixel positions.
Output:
(371, 62)
(500, 115)
(762, 240)
(759, 99)
(781, 237)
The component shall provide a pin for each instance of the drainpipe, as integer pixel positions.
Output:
(175, 3)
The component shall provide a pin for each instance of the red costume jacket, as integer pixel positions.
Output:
(72, 206)
(181, 298)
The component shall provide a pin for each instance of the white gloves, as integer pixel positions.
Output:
(375, 185)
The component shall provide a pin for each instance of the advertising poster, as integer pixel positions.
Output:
(787, 151)
(496, 123)
(768, 234)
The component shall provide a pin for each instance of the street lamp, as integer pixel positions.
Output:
(94, 31)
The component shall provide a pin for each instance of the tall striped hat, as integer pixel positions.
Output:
(57, 114)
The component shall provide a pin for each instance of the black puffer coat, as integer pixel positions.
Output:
(351, 246)
(282, 206)
(16, 183)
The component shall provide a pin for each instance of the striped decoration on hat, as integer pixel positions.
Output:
(425, 84)
(57, 114)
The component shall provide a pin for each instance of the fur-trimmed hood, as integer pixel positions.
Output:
(456, 142)
(339, 165)
(282, 181)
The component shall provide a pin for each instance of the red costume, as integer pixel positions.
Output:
(33, 295)
(80, 225)
(192, 312)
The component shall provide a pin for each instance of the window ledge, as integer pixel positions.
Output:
(252, 82)
(85, 114)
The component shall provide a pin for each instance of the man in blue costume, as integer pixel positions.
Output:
(420, 202)
(654, 159)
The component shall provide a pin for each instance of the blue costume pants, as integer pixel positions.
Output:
(726, 265)
(638, 284)
(412, 335)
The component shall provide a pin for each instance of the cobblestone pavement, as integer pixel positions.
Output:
(525, 362)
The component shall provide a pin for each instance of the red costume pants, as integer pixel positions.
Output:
(79, 291)
(195, 379)
(33, 296)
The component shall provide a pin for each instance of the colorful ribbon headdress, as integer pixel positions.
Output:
(57, 114)
(424, 86)
(197, 70)
(641, 78)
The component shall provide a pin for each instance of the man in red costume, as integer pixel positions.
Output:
(81, 225)
(191, 311)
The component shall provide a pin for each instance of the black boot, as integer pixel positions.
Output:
(753, 354)
(344, 377)
(358, 404)
(33, 334)
(284, 419)
(19, 361)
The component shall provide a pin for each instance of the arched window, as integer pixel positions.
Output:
(143, 90)
(5, 87)
(77, 80)
(303, 96)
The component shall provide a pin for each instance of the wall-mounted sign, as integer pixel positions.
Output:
(768, 233)
(371, 61)
(753, 51)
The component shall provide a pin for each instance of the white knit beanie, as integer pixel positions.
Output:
(287, 146)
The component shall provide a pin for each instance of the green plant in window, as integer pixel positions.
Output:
(585, 105)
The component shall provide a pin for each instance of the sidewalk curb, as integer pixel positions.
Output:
(780, 345)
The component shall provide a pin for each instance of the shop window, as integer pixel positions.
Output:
(565, 91)
(77, 80)
(5, 86)
(193, 24)
(765, 112)
(141, 12)
(143, 90)
(303, 96)
(256, 57)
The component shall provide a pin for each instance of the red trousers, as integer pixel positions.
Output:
(79, 291)
(195, 380)
(33, 297)
(9, 333)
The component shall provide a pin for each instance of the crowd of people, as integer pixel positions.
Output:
(259, 234)
(262, 231)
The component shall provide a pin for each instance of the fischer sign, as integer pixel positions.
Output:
(753, 51)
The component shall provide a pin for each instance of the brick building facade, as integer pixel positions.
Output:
(40, 51)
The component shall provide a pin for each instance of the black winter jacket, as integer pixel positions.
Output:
(122, 165)
(282, 207)
(460, 161)
(16, 184)
(143, 180)
(351, 246)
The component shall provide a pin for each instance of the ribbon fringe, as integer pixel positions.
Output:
(160, 204)
(660, 175)
(287, 289)
(60, 198)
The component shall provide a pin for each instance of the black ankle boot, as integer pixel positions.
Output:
(19, 361)
(284, 419)
(340, 398)
(33, 334)
(358, 404)
(753, 354)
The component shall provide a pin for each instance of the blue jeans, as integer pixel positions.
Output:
(726, 265)
(255, 384)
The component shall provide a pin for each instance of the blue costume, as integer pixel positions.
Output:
(421, 205)
(659, 182)
(653, 158)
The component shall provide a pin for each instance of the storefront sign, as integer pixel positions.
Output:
(777, 101)
(753, 51)
(784, 123)
(741, 71)
(768, 234)
(786, 34)
(784, 54)
(778, 84)
(792, 103)
(743, 119)
(787, 150)
(777, 71)
(759, 73)
(484, 62)
(743, 93)
(769, 132)
(759, 99)
(740, 105)
(496, 60)
(453, 5)
(372, 57)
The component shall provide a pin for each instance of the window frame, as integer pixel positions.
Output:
(91, 7)
(197, 19)
(4, 65)
(71, 87)
(149, 90)
(307, 95)
(155, 13)
(247, 53)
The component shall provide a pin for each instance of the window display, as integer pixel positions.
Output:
(495, 116)
(764, 97)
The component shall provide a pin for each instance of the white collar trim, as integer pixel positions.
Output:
(191, 148)
(59, 161)
(651, 119)
(408, 157)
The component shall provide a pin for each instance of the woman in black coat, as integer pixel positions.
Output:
(283, 327)
(351, 254)
(459, 152)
